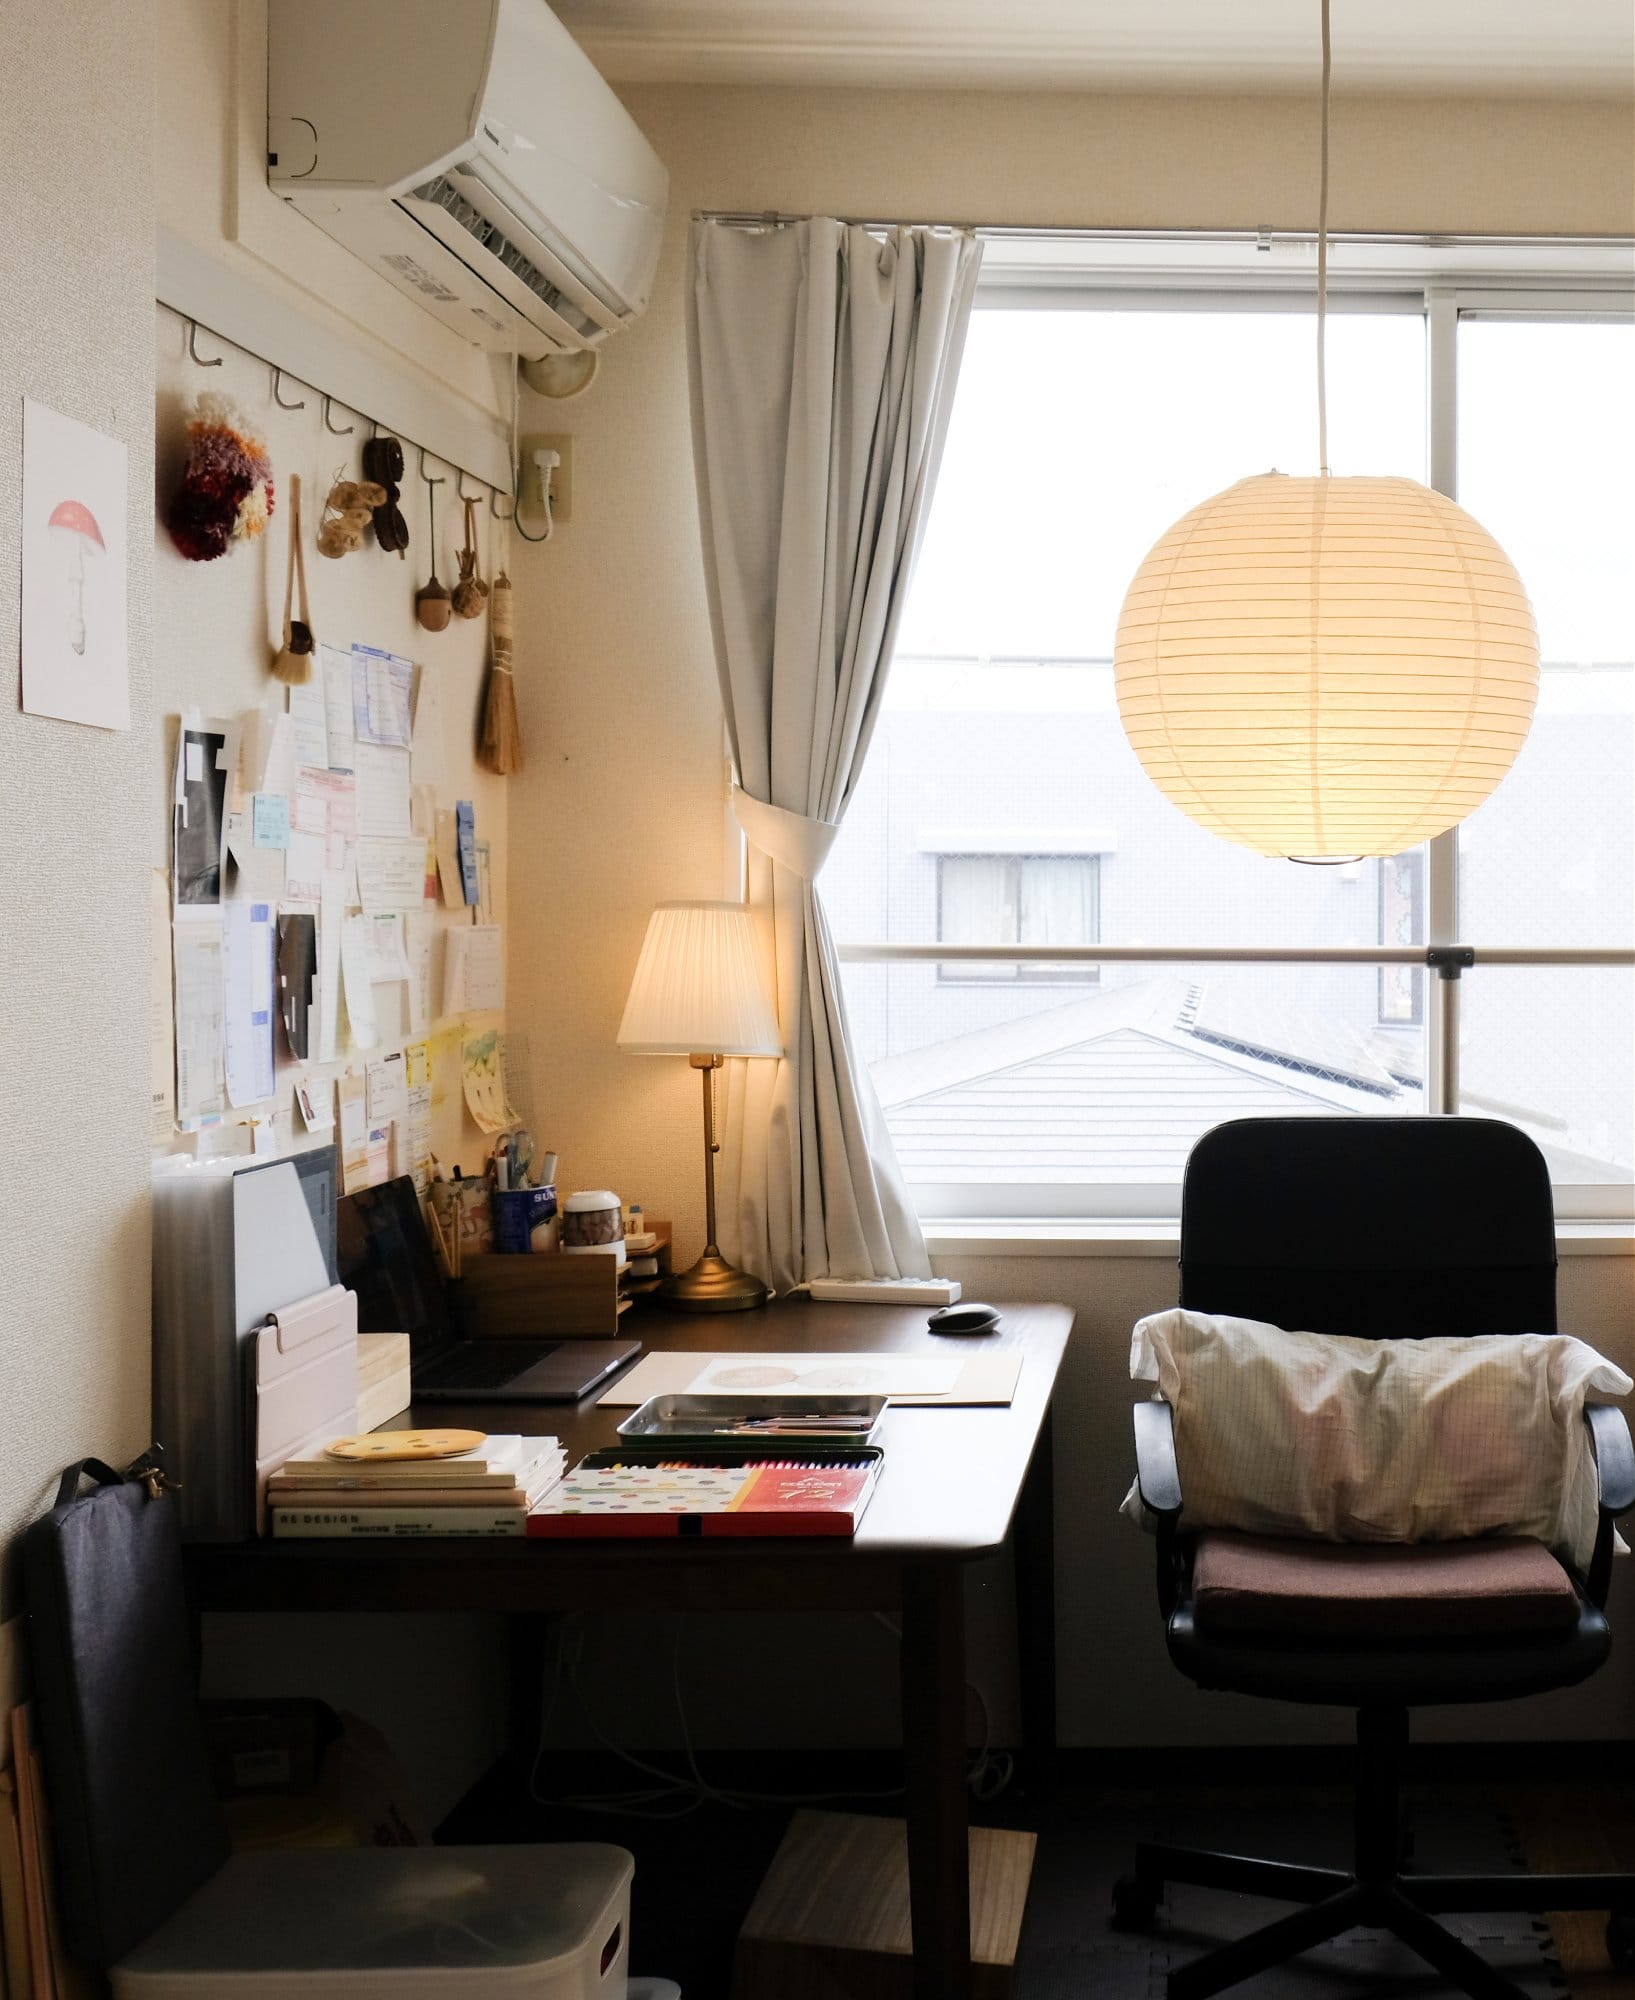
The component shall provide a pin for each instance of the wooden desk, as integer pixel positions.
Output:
(955, 1483)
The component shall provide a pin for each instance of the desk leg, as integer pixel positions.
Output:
(1034, 1556)
(933, 1697)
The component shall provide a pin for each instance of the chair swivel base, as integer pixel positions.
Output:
(1335, 1902)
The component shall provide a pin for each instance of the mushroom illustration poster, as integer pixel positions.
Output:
(75, 665)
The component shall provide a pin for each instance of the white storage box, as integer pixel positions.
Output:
(427, 1923)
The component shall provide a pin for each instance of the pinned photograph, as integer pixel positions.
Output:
(75, 664)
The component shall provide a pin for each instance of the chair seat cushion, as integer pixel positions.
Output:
(1385, 1594)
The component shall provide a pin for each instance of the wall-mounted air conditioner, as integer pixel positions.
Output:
(474, 157)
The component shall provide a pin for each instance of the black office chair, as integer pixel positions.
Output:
(1378, 1228)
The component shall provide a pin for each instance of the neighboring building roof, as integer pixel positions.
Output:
(1118, 1087)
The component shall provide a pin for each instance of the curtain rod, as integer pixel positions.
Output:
(1016, 232)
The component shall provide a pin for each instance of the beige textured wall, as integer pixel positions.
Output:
(76, 332)
(622, 804)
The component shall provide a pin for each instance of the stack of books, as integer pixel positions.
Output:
(487, 1491)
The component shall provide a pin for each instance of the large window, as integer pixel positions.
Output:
(1088, 418)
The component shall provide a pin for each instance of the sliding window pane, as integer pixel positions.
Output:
(1553, 1051)
(1547, 464)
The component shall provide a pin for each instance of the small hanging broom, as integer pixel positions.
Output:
(499, 747)
(294, 659)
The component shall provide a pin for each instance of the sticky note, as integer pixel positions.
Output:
(270, 817)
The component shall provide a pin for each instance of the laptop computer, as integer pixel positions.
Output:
(384, 1253)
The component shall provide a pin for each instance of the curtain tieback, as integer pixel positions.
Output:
(797, 843)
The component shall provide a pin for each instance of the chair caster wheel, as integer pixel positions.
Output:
(1621, 1940)
(1135, 1905)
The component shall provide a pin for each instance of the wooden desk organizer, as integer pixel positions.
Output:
(500, 1298)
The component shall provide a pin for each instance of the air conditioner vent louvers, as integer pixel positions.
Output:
(445, 196)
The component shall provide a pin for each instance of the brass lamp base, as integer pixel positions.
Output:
(712, 1286)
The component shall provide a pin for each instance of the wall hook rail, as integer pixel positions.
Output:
(278, 380)
(336, 430)
(193, 347)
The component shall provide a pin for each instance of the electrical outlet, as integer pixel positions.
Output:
(561, 474)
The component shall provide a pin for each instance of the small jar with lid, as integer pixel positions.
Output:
(593, 1221)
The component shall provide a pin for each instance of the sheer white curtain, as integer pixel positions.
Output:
(823, 359)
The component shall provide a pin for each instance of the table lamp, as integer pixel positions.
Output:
(699, 993)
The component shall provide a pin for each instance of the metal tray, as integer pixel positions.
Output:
(715, 1419)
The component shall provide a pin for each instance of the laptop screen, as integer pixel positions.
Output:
(385, 1255)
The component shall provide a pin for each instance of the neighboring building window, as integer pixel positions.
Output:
(1402, 921)
(1018, 899)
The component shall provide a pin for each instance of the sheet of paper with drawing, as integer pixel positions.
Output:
(957, 1379)
(483, 1083)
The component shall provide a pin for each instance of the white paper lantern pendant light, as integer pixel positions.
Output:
(1326, 668)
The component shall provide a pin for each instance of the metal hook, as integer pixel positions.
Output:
(460, 485)
(193, 346)
(278, 377)
(493, 505)
(424, 474)
(336, 430)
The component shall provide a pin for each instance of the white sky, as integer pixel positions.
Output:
(1079, 436)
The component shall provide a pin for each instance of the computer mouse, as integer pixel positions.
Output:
(969, 1317)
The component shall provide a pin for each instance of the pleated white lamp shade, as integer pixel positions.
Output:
(1326, 668)
(699, 988)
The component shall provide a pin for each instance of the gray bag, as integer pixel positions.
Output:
(135, 1825)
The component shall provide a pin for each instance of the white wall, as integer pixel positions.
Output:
(76, 332)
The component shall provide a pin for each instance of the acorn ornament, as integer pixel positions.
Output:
(432, 605)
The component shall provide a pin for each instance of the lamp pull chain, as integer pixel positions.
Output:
(1322, 259)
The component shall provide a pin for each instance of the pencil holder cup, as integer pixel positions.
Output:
(524, 1219)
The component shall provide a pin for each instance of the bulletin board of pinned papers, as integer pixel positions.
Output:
(328, 921)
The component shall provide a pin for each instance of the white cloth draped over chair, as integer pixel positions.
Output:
(823, 360)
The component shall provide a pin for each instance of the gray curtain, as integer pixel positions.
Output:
(823, 359)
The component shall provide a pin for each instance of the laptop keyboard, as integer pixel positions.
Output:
(488, 1364)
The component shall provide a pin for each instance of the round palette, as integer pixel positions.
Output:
(406, 1444)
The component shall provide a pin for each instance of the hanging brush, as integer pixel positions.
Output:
(500, 745)
(294, 660)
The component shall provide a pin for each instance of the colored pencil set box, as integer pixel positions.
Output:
(706, 1493)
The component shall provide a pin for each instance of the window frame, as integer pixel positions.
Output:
(1444, 281)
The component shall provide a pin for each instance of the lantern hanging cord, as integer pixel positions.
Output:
(1322, 258)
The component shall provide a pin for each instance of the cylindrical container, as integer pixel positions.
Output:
(523, 1219)
(591, 1221)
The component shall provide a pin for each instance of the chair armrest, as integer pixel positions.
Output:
(1614, 1457)
(1157, 1476)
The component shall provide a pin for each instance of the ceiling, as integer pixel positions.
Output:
(1535, 47)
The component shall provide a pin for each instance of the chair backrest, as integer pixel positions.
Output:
(1376, 1227)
